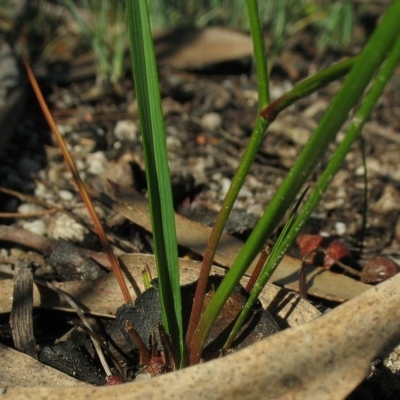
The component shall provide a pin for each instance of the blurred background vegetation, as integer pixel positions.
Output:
(315, 28)
(333, 23)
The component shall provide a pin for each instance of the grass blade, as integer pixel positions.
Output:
(292, 227)
(157, 169)
(359, 77)
(264, 276)
(81, 186)
(352, 134)
(237, 182)
(308, 86)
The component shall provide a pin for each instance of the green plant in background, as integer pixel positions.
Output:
(102, 26)
(335, 26)
(384, 44)
(332, 22)
(7, 11)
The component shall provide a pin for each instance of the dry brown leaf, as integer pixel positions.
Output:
(103, 296)
(194, 236)
(20, 370)
(178, 48)
(323, 359)
(193, 48)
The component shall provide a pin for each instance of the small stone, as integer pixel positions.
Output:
(97, 163)
(65, 195)
(173, 143)
(245, 193)
(117, 145)
(144, 376)
(379, 269)
(222, 99)
(255, 209)
(211, 121)
(43, 192)
(37, 226)
(64, 129)
(225, 185)
(28, 208)
(126, 130)
(389, 201)
(80, 164)
(64, 227)
(340, 228)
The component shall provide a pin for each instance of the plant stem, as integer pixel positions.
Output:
(370, 59)
(81, 186)
(330, 171)
(157, 170)
(259, 54)
(303, 89)
(308, 86)
(241, 173)
(261, 277)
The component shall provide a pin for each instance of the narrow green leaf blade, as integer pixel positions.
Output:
(360, 75)
(157, 169)
(292, 227)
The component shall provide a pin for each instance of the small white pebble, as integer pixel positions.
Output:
(255, 209)
(360, 170)
(217, 177)
(65, 195)
(64, 227)
(142, 377)
(43, 192)
(117, 145)
(245, 193)
(28, 208)
(64, 129)
(225, 185)
(173, 143)
(80, 165)
(126, 130)
(37, 226)
(211, 121)
(340, 228)
(97, 163)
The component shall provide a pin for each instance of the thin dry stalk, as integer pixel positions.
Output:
(81, 187)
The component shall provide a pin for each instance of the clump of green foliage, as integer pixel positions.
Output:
(373, 67)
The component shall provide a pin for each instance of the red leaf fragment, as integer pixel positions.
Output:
(113, 380)
(334, 249)
(156, 366)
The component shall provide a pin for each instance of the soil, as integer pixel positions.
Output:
(209, 115)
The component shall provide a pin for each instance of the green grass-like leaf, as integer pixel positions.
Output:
(359, 77)
(358, 121)
(276, 253)
(293, 225)
(242, 171)
(157, 169)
